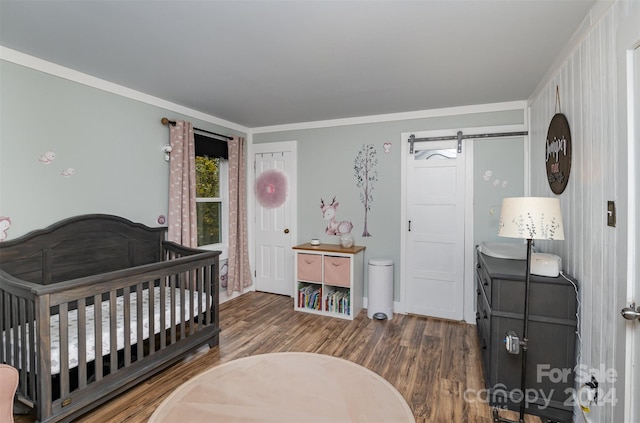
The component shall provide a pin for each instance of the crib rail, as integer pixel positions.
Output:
(183, 284)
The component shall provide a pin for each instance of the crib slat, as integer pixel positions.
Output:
(163, 313)
(64, 348)
(4, 325)
(207, 290)
(127, 327)
(3, 340)
(15, 331)
(151, 317)
(140, 319)
(183, 283)
(172, 285)
(23, 337)
(192, 307)
(113, 332)
(215, 286)
(97, 327)
(31, 318)
(82, 343)
(200, 278)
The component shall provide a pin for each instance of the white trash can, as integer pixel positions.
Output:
(380, 289)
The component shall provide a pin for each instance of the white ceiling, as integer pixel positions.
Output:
(261, 63)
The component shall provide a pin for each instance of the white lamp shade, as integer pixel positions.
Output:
(531, 218)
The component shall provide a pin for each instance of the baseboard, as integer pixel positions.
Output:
(224, 297)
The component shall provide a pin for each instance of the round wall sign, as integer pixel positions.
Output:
(558, 153)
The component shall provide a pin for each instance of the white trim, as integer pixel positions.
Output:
(631, 355)
(224, 195)
(391, 117)
(251, 204)
(404, 153)
(250, 174)
(224, 297)
(35, 63)
(468, 281)
(223, 178)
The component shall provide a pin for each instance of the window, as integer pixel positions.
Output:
(211, 190)
(211, 200)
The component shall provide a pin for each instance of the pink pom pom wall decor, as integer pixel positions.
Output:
(271, 188)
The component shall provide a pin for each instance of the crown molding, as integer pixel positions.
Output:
(392, 117)
(50, 68)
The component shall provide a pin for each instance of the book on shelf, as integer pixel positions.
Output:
(310, 296)
(338, 302)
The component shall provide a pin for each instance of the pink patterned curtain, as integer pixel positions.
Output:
(182, 221)
(239, 274)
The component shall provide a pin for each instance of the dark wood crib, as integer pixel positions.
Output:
(94, 304)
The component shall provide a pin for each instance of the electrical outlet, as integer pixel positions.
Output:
(593, 384)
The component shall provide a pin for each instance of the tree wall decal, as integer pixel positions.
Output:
(366, 175)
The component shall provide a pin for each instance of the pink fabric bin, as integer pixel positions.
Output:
(337, 271)
(310, 267)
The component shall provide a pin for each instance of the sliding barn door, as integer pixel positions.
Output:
(435, 240)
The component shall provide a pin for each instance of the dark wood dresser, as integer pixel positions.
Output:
(551, 360)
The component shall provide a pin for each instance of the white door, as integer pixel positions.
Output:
(274, 231)
(435, 238)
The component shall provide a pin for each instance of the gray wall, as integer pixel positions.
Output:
(113, 143)
(497, 173)
(592, 83)
(326, 169)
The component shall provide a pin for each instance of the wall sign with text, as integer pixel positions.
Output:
(558, 153)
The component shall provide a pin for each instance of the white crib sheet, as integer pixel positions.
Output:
(106, 336)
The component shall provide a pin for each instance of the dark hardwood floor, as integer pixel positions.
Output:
(431, 362)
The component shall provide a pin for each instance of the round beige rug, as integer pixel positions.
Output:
(285, 387)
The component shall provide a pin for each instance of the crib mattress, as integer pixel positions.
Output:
(106, 326)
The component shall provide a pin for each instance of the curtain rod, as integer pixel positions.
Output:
(166, 121)
(460, 137)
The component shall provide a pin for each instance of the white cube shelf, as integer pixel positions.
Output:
(329, 279)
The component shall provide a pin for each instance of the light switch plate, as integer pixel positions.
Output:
(611, 213)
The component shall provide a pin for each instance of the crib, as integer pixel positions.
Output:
(94, 304)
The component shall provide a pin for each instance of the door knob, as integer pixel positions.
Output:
(286, 231)
(630, 313)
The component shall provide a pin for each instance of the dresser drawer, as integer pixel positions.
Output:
(310, 267)
(485, 282)
(483, 328)
(337, 271)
